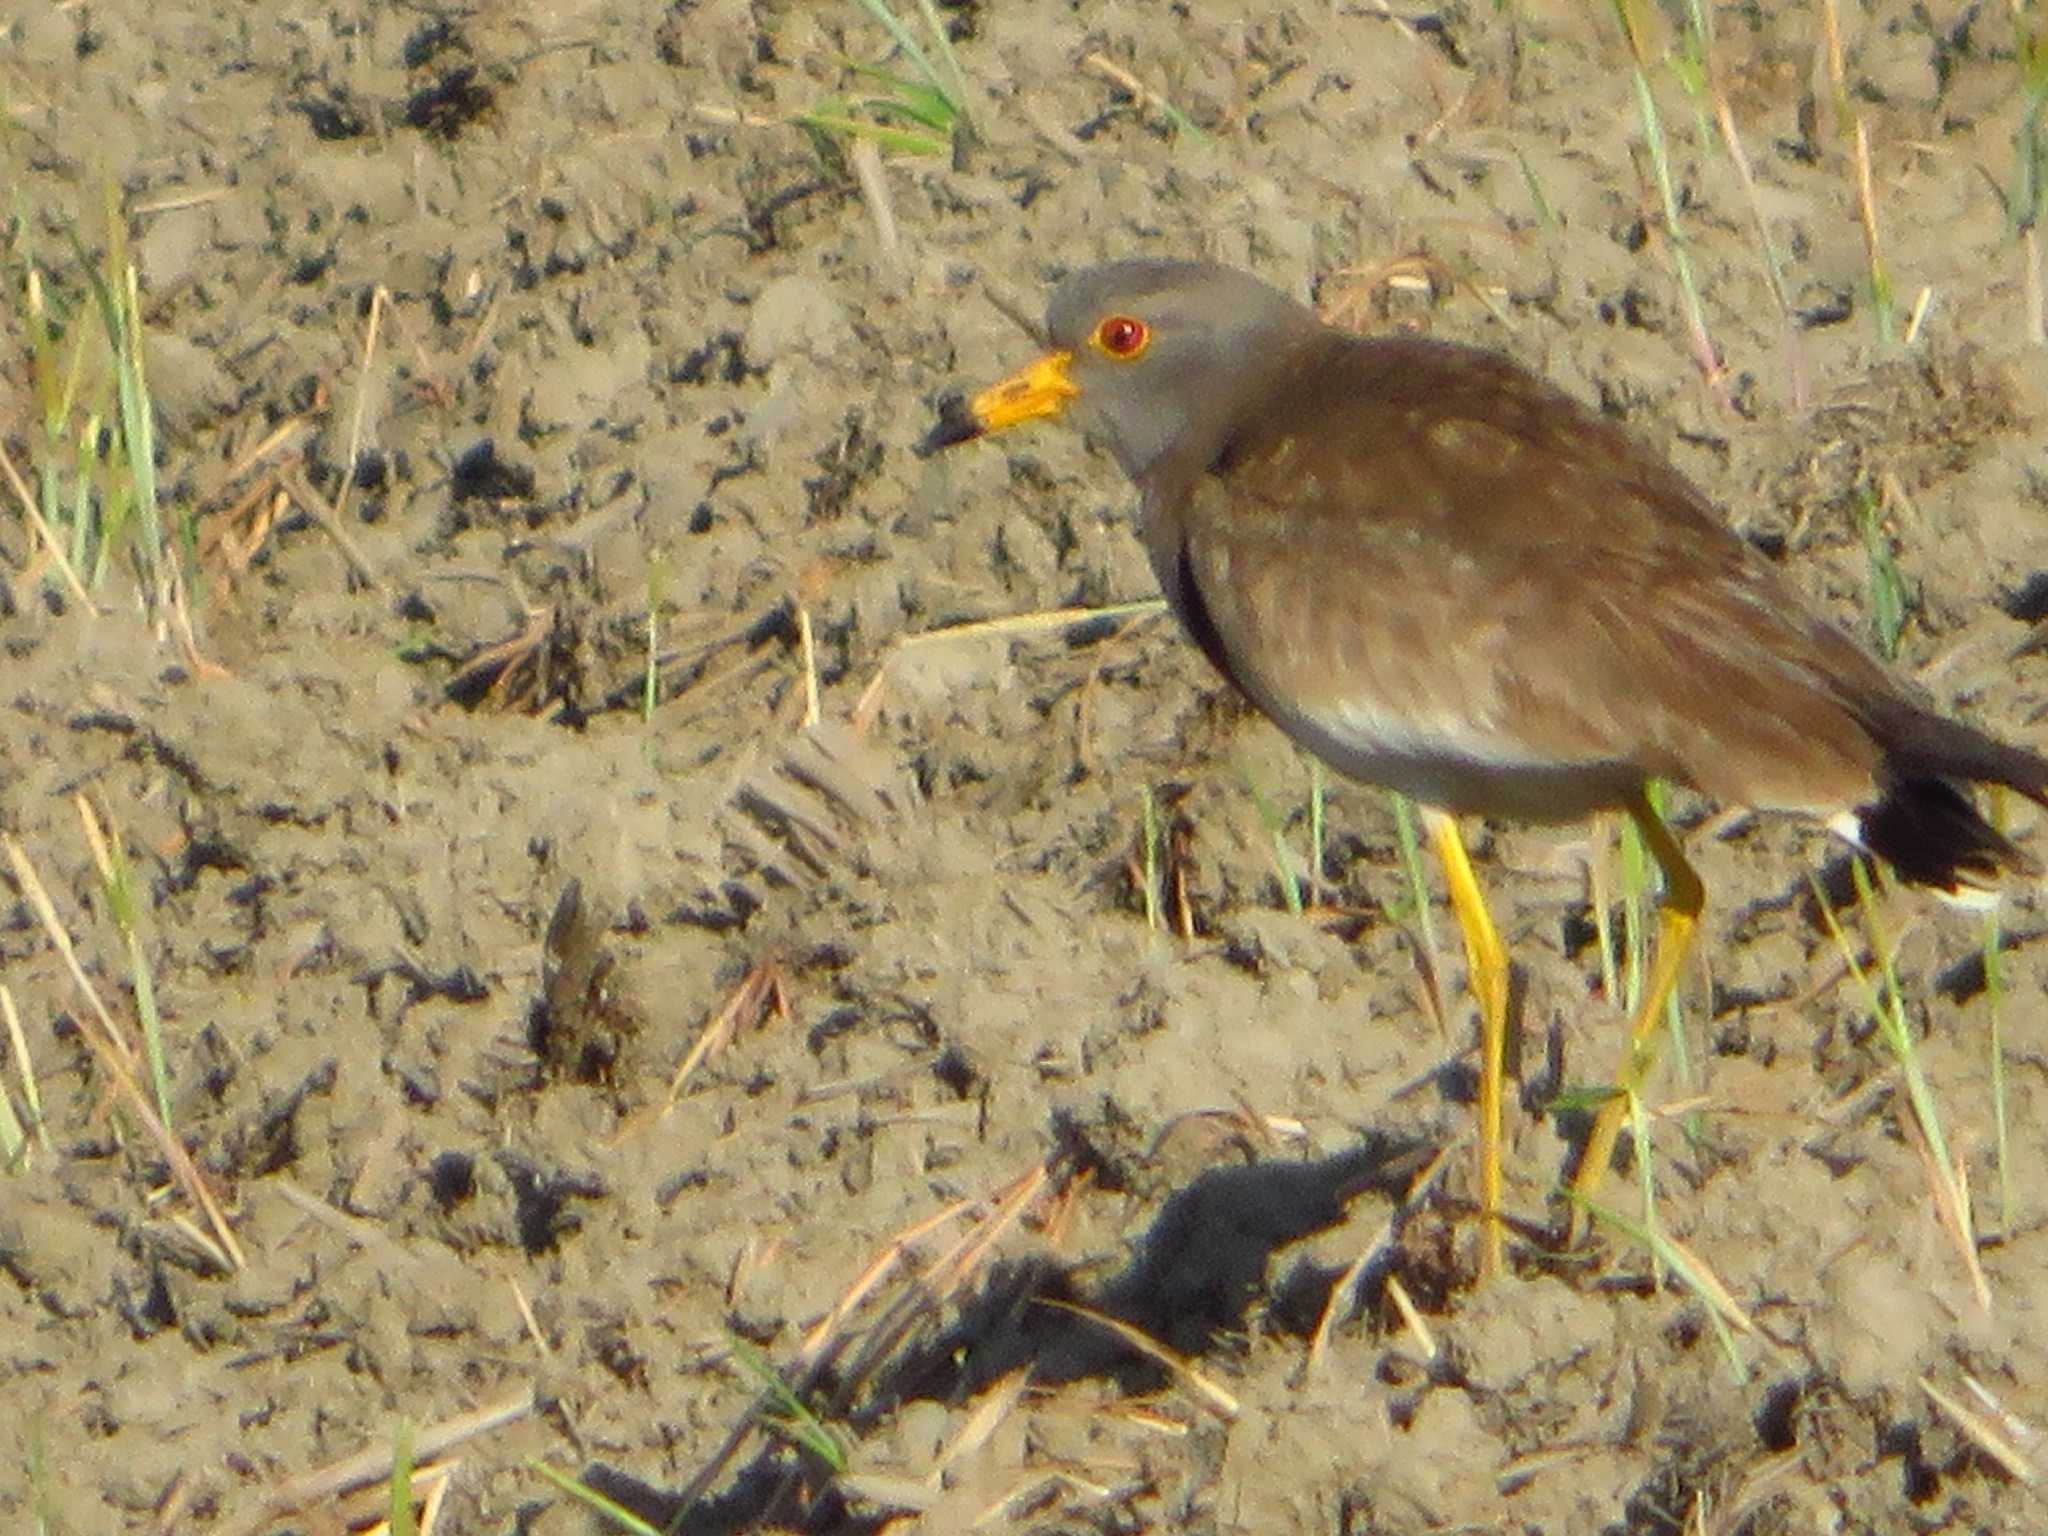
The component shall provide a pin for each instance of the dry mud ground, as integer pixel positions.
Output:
(642, 356)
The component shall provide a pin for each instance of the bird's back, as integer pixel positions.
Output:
(1442, 573)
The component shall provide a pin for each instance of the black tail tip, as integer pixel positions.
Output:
(1933, 835)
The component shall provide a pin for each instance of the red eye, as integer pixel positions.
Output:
(1122, 336)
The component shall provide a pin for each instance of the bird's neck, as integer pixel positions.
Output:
(1219, 430)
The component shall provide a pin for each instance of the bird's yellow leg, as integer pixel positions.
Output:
(1486, 971)
(1678, 915)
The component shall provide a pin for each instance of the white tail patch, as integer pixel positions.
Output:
(1848, 826)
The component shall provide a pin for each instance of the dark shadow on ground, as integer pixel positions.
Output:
(1192, 1281)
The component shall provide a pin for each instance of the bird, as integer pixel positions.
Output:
(1441, 574)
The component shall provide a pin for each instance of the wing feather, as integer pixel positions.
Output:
(1484, 578)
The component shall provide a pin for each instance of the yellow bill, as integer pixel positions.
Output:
(1042, 389)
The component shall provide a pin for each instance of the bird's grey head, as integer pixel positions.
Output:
(1164, 353)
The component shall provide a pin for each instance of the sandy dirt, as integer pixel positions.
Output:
(435, 911)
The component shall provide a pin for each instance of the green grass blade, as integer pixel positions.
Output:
(1724, 1313)
(1635, 891)
(783, 1411)
(42, 1501)
(1646, 1177)
(138, 417)
(901, 36)
(1888, 591)
(1994, 995)
(2030, 149)
(1411, 865)
(399, 1514)
(1897, 1032)
(1887, 1010)
(917, 109)
(650, 687)
(957, 76)
(1625, 12)
(116, 295)
(13, 1136)
(920, 103)
(1545, 214)
(121, 902)
(1315, 831)
(1148, 809)
(31, 1091)
(1182, 125)
(113, 320)
(591, 1499)
(80, 518)
(1276, 830)
(1581, 1099)
(892, 139)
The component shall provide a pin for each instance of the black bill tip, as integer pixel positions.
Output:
(956, 424)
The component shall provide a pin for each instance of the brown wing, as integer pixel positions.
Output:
(1429, 551)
